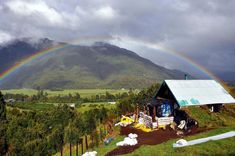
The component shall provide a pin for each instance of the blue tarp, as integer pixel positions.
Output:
(166, 109)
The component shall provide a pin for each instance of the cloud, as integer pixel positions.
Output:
(202, 30)
(34, 8)
(4, 37)
(105, 12)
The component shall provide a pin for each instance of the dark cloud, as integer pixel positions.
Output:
(202, 30)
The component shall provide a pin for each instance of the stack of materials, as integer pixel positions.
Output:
(165, 120)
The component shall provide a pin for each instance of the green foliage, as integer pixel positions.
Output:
(3, 126)
(55, 138)
(46, 132)
(45, 96)
(52, 93)
(89, 120)
(2, 108)
(129, 103)
(39, 132)
(71, 133)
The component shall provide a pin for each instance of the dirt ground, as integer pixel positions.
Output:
(150, 138)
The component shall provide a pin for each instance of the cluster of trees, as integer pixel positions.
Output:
(3, 126)
(128, 104)
(42, 96)
(46, 132)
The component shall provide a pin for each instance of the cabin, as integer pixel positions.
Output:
(176, 94)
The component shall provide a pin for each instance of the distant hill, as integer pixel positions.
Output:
(97, 66)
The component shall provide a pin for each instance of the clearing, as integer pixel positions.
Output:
(160, 142)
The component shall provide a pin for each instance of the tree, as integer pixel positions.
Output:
(3, 127)
(2, 107)
(70, 133)
(55, 139)
(79, 130)
(89, 124)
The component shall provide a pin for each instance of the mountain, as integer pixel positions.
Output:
(16, 50)
(100, 65)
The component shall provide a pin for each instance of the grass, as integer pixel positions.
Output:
(82, 92)
(34, 106)
(102, 149)
(219, 147)
(45, 106)
(88, 106)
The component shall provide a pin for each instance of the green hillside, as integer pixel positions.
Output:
(97, 66)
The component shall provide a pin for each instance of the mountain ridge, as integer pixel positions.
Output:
(100, 65)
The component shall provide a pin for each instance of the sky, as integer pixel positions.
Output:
(203, 30)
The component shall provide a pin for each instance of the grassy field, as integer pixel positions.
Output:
(34, 106)
(88, 106)
(219, 147)
(45, 106)
(82, 92)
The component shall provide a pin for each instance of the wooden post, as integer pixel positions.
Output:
(70, 149)
(138, 110)
(148, 111)
(86, 142)
(61, 150)
(61, 147)
(77, 148)
(81, 141)
(154, 113)
(136, 113)
(144, 109)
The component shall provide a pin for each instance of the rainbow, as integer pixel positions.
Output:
(180, 55)
(19, 65)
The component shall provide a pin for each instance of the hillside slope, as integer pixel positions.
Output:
(98, 66)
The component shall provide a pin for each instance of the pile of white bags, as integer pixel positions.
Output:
(93, 153)
(128, 141)
(132, 136)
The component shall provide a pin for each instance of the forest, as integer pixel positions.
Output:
(46, 132)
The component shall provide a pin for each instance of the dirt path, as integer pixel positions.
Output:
(150, 138)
